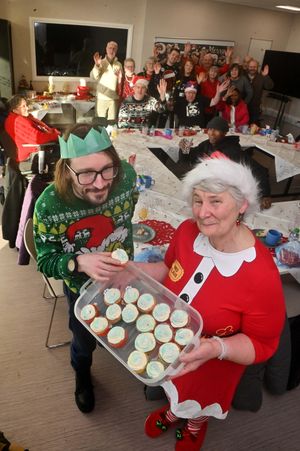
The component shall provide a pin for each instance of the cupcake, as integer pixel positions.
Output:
(161, 312)
(137, 361)
(146, 303)
(117, 337)
(89, 312)
(183, 336)
(131, 295)
(145, 342)
(179, 318)
(121, 255)
(163, 333)
(113, 313)
(155, 369)
(169, 352)
(100, 326)
(112, 296)
(145, 323)
(130, 314)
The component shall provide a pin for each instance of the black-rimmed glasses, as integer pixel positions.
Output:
(88, 177)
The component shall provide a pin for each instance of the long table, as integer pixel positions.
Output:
(81, 107)
(163, 200)
(287, 157)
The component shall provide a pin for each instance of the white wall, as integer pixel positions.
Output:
(196, 19)
(112, 11)
(293, 44)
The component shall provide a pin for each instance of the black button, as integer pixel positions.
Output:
(185, 297)
(198, 277)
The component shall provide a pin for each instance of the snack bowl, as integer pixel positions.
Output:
(92, 293)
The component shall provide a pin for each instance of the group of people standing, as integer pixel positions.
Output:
(192, 92)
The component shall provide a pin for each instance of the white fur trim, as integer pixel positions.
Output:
(227, 172)
(191, 408)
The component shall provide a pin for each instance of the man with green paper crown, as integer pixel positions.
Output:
(78, 221)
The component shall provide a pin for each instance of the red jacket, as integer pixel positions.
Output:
(28, 130)
(241, 112)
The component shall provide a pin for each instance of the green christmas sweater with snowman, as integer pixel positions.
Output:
(63, 230)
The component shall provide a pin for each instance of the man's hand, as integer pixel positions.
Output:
(265, 71)
(187, 48)
(157, 68)
(230, 91)
(97, 59)
(201, 77)
(162, 89)
(228, 54)
(119, 74)
(99, 266)
(185, 145)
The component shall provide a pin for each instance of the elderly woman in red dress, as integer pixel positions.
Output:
(23, 128)
(216, 264)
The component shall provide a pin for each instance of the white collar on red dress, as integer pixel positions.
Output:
(226, 263)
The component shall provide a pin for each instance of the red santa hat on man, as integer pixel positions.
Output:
(190, 87)
(138, 80)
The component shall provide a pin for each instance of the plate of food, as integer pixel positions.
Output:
(142, 233)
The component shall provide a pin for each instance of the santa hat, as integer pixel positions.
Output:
(219, 173)
(190, 87)
(138, 80)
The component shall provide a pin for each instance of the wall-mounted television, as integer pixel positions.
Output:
(65, 48)
(284, 71)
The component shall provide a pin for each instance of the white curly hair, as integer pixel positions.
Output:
(217, 175)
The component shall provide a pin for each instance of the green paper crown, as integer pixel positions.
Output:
(95, 141)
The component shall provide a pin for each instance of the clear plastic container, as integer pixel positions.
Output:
(92, 293)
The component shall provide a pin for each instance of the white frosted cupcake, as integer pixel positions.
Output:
(183, 336)
(121, 255)
(117, 337)
(155, 369)
(100, 326)
(145, 342)
(130, 314)
(161, 312)
(146, 303)
(112, 296)
(131, 295)
(169, 352)
(179, 318)
(137, 361)
(145, 323)
(89, 312)
(113, 313)
(163, 333)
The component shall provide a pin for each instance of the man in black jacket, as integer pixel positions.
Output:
(229, 146)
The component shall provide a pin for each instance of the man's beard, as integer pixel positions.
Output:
(93, 196)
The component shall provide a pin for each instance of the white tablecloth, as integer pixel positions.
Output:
(54, 107)
(287, 158)
(163, 201)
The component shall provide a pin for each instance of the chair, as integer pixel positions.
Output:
(29, 243)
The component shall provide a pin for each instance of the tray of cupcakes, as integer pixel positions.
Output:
(142, 323)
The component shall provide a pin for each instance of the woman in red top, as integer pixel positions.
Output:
(209, 86)
(217, 265)
(234, 110)
(23, 128)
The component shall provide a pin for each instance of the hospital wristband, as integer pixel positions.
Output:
(223, 347)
